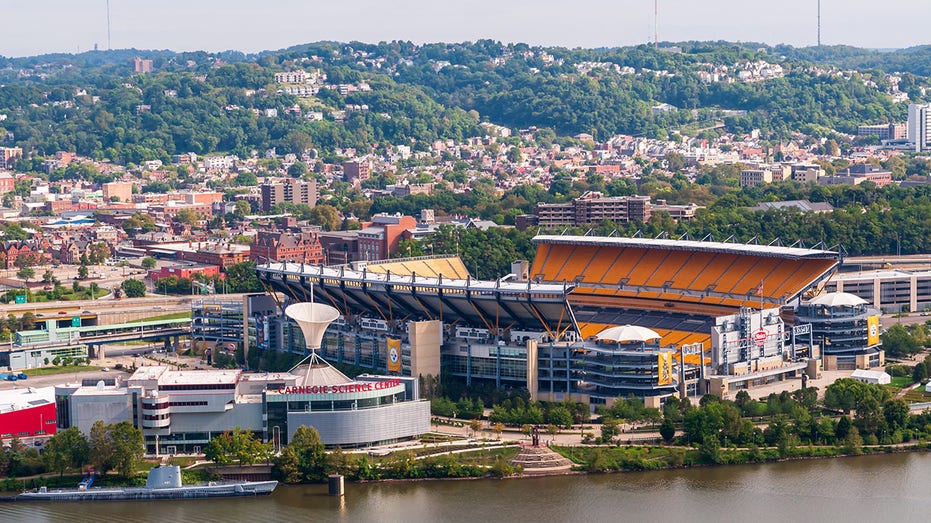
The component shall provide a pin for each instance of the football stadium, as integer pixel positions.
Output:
(590, 318)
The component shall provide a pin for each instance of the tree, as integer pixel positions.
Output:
(710, 449)
(24, 261)
(609, 429)
(26, 273)
(310, 453)
(896, 412)
(242, 209)
(475, 426)
(287, 467)
(853, 443)
(326, 216)
(919, 373)
(82, 272)
(898, 342)
(297, 170)
(515, 155)
(245, 179)
(133, 288)
(128, 447)
(66, 449)
(187, 217)
(139, 222)
(148, 262)
(27, 321)
(299, 142)
(219, 449)
(48, 276)
(247, 448)
(239, 445)
(241, 277)
(847, 394)
(101, 448)
(560, 416)
(843, 427)
(98, 253)
(667, 430)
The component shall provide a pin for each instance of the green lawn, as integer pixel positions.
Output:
(479, 457)
(46, 371)
(902, 381)
(42, 296)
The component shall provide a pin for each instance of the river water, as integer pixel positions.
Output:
(886, 488)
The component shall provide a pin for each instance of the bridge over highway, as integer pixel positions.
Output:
(96, 336)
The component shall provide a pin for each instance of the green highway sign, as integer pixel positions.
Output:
(20, 298)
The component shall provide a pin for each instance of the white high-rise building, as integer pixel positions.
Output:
(919, 126)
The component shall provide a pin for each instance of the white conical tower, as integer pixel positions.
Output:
(313, 319)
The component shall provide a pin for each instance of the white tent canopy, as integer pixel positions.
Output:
(838, 299)
(626, 333)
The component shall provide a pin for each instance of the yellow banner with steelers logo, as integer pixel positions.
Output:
(664, 364)
(873, 335)
(394, 355)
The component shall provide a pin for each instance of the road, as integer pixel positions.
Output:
(127, 355)
(158, 304)
(912, 318)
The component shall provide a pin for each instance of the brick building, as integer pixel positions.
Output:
(9, 156)
(292, 191)
(278, 245)
(379, 238)
(589, 209)
(122, 191)
(7, 183)
(186, 271)
(357, 171)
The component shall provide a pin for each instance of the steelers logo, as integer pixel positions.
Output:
(393, 354)
(874, 330)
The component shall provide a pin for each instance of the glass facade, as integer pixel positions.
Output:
(842, 330)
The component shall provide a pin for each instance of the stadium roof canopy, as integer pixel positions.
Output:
(694, 277)
(774, 251)
(492, 304)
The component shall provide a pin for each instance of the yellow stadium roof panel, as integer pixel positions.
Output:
(449, 267)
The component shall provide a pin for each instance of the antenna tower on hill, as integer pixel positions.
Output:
(656, 24)
(819, 23)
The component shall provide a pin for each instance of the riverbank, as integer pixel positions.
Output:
(493, 463)
(643, 458)
(865, 488)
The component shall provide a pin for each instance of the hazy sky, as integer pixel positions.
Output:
(29, 27)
